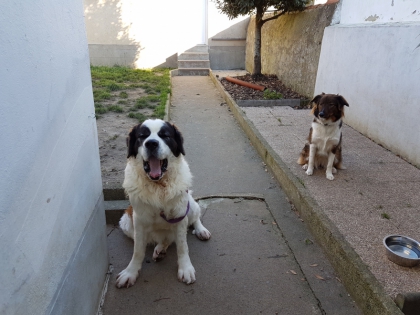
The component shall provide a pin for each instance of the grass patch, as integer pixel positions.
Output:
(115, 109)
(123, 94)
(107, 81)
(139, 116)
(141, 103)
(100, 95)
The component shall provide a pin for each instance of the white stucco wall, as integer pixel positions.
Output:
(379, 11)
(159, 30)
(50, 180)
(375, 66)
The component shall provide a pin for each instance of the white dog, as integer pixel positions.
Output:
(157, 181)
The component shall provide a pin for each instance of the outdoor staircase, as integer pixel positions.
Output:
(194, 61)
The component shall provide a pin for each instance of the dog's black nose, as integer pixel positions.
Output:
(321, 114)
(152, 144)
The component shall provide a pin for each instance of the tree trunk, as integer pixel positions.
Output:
(257, 42)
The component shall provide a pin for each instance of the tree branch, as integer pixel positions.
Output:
(273, 17)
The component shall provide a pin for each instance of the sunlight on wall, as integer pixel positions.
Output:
(219, 21)
(158, 31)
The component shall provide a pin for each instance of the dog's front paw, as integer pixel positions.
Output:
(305, 166)
(186, 274)
(126, 278)
(309, 171)
(202, 234)
(330, 176)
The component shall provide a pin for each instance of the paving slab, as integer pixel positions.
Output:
(257, 236)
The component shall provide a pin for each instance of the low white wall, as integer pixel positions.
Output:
(52, 227)
(227, 48)
(375, 66)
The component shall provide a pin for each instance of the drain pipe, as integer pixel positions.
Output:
(247, 84)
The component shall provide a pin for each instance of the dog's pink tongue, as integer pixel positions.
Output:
(155, 170)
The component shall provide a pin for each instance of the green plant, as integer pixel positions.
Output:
(100, 95)
(301, 181)
(271, 95)
(139, 116)
(115, 108)
(123, 94)
(100, 109)
(141, 103)
(385, 216)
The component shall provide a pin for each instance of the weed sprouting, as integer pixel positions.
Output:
(272, 95)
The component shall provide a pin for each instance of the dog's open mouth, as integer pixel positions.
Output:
(155, 168)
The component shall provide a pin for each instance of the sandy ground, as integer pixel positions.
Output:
(113, 129)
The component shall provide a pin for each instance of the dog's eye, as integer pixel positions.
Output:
(164, 136)
(143, 136)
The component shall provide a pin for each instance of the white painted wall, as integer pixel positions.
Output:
(375, 66)
(158, 29)
(379, 11)
(50, 180)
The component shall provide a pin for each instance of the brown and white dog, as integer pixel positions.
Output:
(157, 180)
(324, 142)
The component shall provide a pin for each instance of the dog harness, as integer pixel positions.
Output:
(176, 220)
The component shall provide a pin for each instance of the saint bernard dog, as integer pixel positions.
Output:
(157, 180)
(324, 142)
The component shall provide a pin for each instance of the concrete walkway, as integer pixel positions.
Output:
(376, 196)
(261, 258)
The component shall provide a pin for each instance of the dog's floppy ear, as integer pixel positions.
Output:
(179, 141)
(132, 147)
(342, 101)
(317, 98)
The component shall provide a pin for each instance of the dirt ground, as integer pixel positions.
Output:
(270, 82)
(113, 127)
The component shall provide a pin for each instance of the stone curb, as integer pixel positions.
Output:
(268, 103)
(358, 280)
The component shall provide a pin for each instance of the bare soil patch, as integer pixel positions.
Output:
(270, 82)
(113, 129)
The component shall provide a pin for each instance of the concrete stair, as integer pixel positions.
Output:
(194, 61)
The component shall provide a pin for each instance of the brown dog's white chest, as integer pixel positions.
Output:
(325, 137)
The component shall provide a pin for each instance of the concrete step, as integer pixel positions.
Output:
(199, 48)
(114, 209)
(194, 56)
(193, 64)
(193, 71)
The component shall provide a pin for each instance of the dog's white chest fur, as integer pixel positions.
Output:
(325, 137)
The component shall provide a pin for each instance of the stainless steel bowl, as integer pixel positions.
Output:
(402, 250)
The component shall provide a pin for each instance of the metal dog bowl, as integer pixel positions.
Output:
(402, 250)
